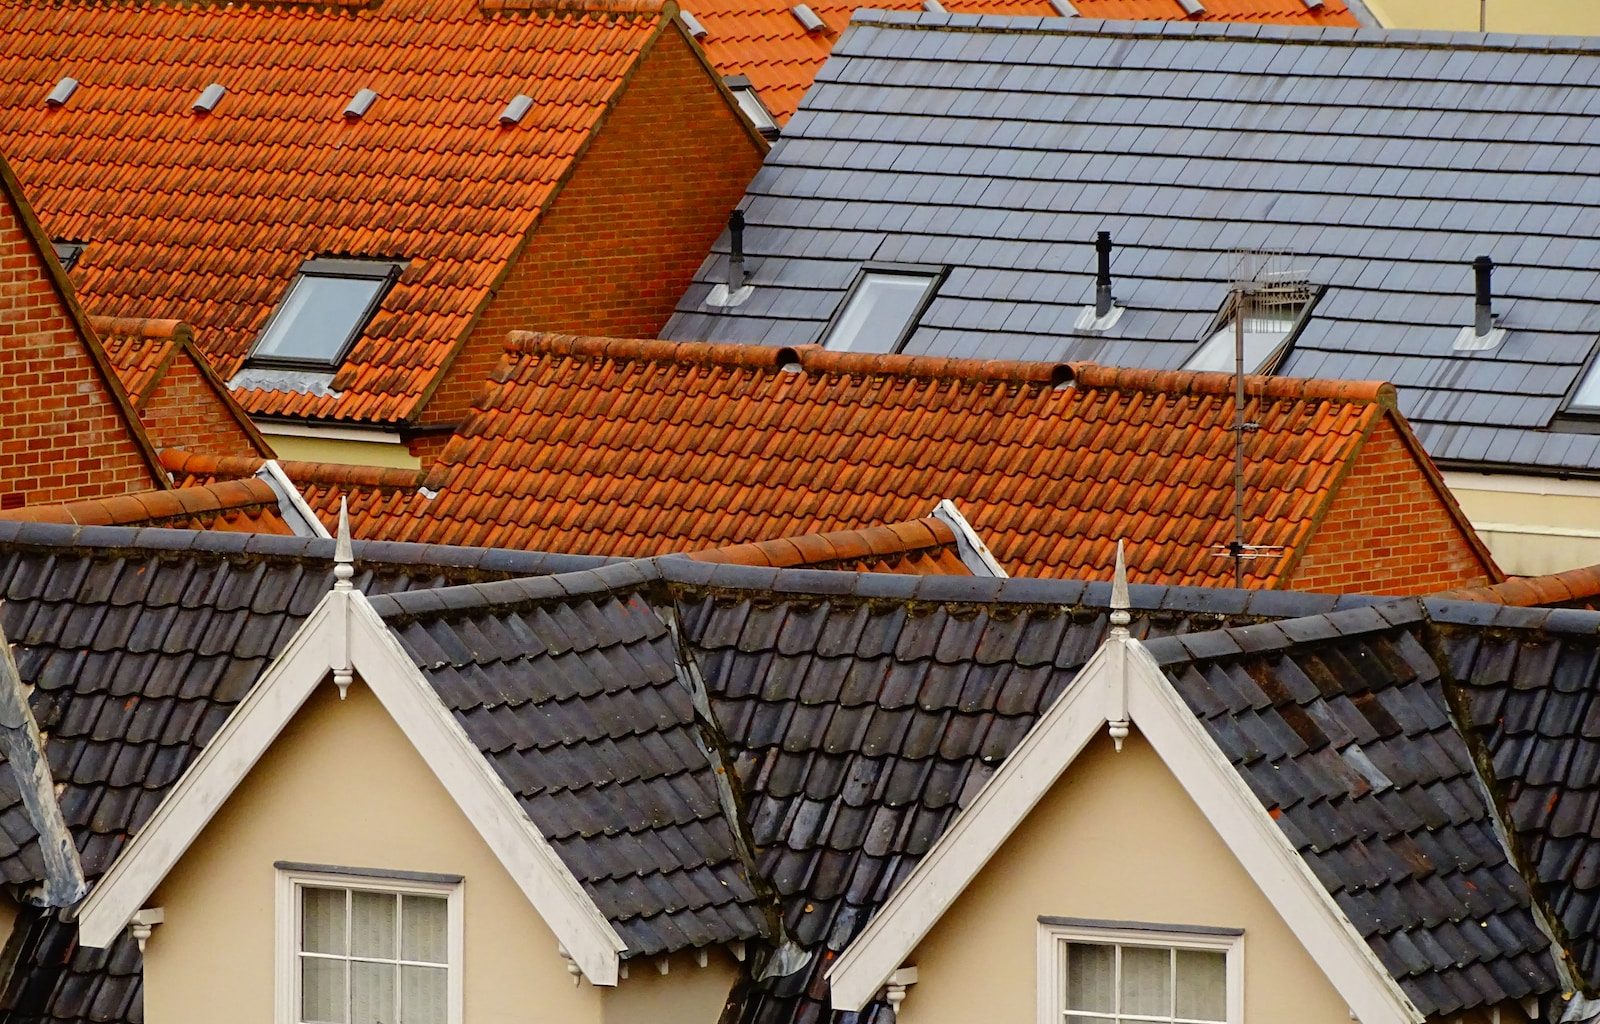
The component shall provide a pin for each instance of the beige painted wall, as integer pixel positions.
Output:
(1116, 839)
(1545, 17)
(295, 448)
(343, 786)
(1532, 525)
(686, 994)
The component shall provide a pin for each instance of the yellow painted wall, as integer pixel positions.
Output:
(294, 448)
(686, 994)
(1544, 17)
(1117, 839)
(343, 786)
(1532, 525)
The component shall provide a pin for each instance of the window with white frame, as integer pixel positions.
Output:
(1272, 314)
(883, 307)
(1113, 973)
(368, 947)
(327, 307)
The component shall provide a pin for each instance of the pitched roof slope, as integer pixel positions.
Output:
(70, 431)
(207, 217)
(767, 44)
(1382, 163)
(636, 448)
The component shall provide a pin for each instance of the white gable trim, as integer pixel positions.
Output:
(1122, 678)
(291, 503)
(975, 554)
(345, 620)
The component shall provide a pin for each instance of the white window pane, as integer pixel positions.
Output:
(372, 923)
(878, 312)
(1146, 981)
(1202, 985)
(1588, 394)
(322, 920)
(322, 998)
(317, 317)
(422, 995)
(1090, 977)
(1261, 339)
(372, 993)
(424, 925)
(753, 109)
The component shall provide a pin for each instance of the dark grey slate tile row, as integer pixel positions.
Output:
(1382, 163)
(1341, 727)
(58, 982)
(577, 706)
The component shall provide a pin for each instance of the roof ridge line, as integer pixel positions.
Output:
(520, 591)
(652, 7)
(1279, 634)
(140, 326)
(1245, 32)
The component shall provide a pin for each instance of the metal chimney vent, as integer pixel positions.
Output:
(210, 96)
(62, 92)
(1192, 7)
(698, 30)
(360, 103)
(807, 18)
(1485, 332)
(516, 110)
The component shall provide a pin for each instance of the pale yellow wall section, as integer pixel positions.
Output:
(299, 448)
(1117, 839)
(1533, 525)
(343, 786)
(1544, 17)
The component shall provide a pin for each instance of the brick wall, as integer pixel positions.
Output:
(623, 239)
(1388, 531)
(184, 412)
(62, 437)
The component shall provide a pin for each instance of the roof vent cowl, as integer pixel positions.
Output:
(360, 103)
(62, 92)
(209, 97)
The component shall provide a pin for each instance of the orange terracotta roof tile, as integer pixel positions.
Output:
(233, 506)
(372, 492)
(1574, 588)
(207, 217)
(604, 446)
(921, 547)
(763, 41)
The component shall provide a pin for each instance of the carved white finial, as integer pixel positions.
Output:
(344, 568)
(1119, 596)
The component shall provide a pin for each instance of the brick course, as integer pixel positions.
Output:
(1399, 522)
(184, 412)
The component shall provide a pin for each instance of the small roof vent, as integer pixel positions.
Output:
(61, 93)
(1312, 5)
(1064, 8)
(1192, 7)
(807, 18)
(934, 7)
(516, 110)
(209, 97)
(698, 31)
(360, 103)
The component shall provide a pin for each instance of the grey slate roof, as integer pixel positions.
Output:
(1383, 161)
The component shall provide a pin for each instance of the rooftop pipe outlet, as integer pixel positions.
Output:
(1483, 319)
(1102, 273)
(736, 274)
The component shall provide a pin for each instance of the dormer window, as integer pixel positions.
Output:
(1271, 315)
(751, 106)
(327, 308)
(884, 306)
(67, 253)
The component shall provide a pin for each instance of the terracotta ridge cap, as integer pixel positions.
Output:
(539, 344)
(142, 507)
(834, 546)
(653, 7)
(1528, 591)
(223, 467)
(1194, 382)
(139, 327)
(341, 473)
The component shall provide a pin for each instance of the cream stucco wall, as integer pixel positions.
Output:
(343, 786)
(344, 451)
(1117, 839)
(1545, 17)
(1532, 524)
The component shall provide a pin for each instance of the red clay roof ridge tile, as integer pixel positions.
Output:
(814, 358)
(184, 504)
(1579, 584)
(182, 463)
(817, 549)
(139, 327)
(650, 7)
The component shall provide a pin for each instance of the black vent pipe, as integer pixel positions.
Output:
(735, 251)
(1102, 273)
(1483, 318)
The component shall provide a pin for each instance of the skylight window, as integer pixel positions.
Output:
(1268, 322)
(67, 253)
(751, 106)
(882, 309)
(1587, 398)
(327, 308)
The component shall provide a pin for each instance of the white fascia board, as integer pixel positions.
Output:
(291, 503)
(975, 554)
(556, 894)
(976, 835)
(1261, 848)
(344, 620)
(213, 776)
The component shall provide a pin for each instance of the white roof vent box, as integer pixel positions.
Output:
(61, 93)
(360, 103)
(209, 97)
(808, 19)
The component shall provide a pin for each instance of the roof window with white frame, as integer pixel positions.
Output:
(750, 105)
(326, 309)
(1093, 972)
(1270, 316)
(883, 307)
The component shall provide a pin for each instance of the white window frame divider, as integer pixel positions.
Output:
(286, 936)
(1053, 931)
